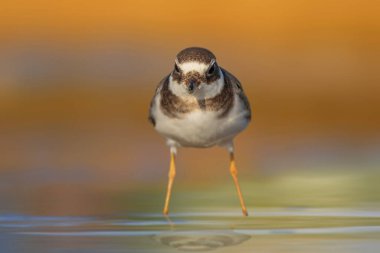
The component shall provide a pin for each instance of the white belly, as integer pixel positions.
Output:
(202, 128)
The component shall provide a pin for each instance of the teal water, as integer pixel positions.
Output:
(334, 211)
(266, 230)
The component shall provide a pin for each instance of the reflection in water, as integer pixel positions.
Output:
(201, 241)
(201, 232)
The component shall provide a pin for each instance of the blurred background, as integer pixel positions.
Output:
(76, 79)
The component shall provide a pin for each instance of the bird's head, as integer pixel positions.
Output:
(196, 73)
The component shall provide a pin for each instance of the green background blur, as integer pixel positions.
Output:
(76, 79)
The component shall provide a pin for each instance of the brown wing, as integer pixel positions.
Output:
(238, 88)
(151, 117)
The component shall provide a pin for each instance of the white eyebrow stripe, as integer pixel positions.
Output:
(193, 66)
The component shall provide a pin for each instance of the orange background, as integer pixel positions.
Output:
(76, 79)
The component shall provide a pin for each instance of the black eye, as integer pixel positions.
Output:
(176, 69)
(212, 70)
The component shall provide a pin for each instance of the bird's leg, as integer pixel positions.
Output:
(234, 174)
(170, 182)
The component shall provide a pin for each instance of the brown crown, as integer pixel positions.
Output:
(195, 54)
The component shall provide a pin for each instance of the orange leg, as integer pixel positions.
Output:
(170, 183)
(234, 174)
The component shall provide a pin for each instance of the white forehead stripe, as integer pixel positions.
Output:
(193, 66)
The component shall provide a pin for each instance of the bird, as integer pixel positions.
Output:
(199, 104)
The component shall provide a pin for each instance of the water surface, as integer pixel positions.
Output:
(266, 230)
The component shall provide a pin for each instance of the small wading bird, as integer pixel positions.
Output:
(199, 104)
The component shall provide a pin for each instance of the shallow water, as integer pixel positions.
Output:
(266, 230)
(333, 211)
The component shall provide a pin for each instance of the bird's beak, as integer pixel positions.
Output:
(191, 86)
